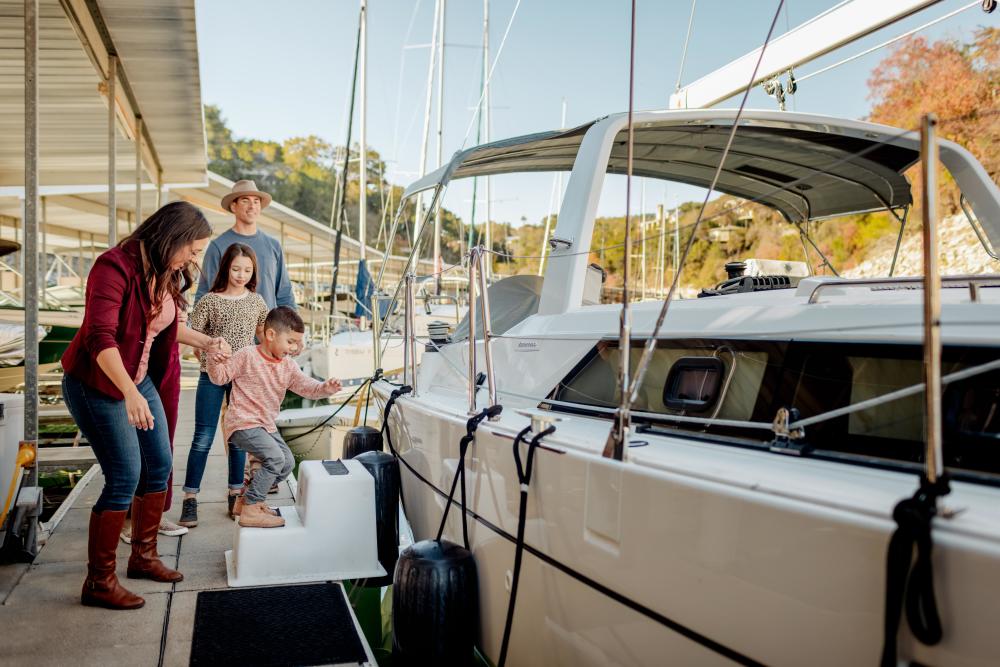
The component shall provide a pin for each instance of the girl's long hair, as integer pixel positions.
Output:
(232, 252)
(161, 235)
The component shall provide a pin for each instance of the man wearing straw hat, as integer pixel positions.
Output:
(245, 202)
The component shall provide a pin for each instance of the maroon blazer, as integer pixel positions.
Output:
(116, 315)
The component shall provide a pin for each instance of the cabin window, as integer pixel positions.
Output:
(750, 380)
(697, 378)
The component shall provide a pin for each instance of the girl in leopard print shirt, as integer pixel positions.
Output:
(233, 310)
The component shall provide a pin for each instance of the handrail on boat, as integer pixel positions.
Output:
(477, 274)
(973, 283)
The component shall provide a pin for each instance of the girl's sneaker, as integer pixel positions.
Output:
(231, 499)
(189, 513)
(170, 528)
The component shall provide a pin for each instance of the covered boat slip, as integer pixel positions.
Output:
(152, 49)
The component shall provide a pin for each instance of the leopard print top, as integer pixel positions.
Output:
(236, 320)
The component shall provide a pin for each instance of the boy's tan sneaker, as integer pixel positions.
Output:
(258, 515)
(238, 506)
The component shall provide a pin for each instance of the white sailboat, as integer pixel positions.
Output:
(726, 536)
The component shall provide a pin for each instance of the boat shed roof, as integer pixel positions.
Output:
(158, 80)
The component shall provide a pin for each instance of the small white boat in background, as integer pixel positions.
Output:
(317, 433)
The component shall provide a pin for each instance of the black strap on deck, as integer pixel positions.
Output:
(912, 585)
(463, 447)
(524, 476)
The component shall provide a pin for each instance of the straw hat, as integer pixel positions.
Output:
(243, 188)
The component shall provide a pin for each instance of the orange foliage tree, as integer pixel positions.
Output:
(957, 81)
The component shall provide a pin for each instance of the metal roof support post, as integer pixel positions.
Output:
(138, 170)
(933, 459)
(30, 251)
(112, 204)
(159, 189)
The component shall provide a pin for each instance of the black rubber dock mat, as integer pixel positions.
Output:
(280, 625)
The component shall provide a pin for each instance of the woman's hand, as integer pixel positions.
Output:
(219, 348)
(137, 410)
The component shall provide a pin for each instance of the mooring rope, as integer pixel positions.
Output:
(524, 476)
(463, 446)
(908, 581)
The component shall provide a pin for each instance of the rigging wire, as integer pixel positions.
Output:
(687, 39)
(615, 446)
(489, 77)
(647, 352)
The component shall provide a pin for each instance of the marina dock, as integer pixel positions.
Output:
(40, 611)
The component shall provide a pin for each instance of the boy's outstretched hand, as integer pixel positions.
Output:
(332, 386)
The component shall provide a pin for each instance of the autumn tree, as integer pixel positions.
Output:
(957, 81)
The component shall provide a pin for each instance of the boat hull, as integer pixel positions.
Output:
(720, 558)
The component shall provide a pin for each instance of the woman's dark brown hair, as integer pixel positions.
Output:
(162, 234)
(222, 275)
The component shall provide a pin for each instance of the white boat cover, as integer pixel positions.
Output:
(511, 301)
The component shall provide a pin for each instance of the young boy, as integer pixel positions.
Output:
(260, 375)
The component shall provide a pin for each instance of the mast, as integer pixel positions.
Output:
(427, 125)
(488, 265)
(337, 210)
(642, 228)
(440, 140)
(660, 247)
(363, 167)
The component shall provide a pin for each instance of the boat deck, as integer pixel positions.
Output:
(42, 620)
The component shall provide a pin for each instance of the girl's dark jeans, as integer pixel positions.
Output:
(207, 406)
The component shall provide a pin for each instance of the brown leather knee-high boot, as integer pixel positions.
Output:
(101, 588)
(145, 562)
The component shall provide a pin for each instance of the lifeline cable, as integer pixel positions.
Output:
(524, 476)
(334, 414)
(912, 584)
(463, 447)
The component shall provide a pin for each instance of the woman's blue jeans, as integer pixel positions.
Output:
(134, 462)
(207, 406)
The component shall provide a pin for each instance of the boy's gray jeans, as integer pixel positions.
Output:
(274, 455)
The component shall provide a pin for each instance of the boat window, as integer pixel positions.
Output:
(749, 381)
(729, 377)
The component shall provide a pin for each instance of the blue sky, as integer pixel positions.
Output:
(280, 70)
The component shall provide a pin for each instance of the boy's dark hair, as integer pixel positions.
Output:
(283, 319)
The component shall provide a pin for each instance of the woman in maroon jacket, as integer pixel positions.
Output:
(122, 384)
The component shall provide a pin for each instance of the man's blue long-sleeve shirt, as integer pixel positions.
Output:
(272, 276)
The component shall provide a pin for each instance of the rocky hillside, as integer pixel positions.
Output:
(961, 253)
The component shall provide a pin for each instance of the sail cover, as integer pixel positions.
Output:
(511, 301)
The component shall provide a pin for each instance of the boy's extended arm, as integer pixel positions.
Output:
(306, 386)
(223, 372)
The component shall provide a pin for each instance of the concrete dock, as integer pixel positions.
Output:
(41, 619)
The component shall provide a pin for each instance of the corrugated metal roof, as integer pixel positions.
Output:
(156, 42)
